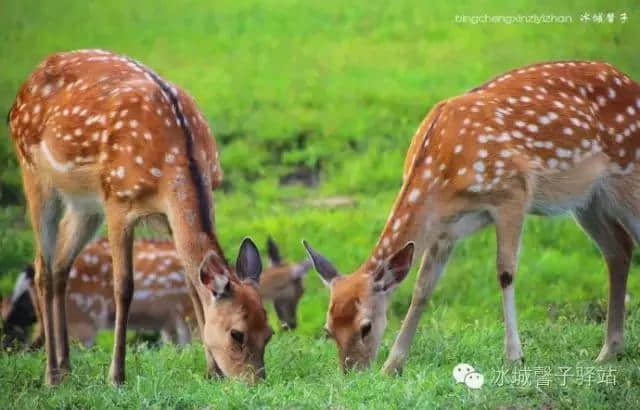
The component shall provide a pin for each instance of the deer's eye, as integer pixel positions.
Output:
(238, 336)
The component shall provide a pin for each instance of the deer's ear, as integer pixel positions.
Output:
(248, 264)
(326, 270)
(391, 273)
(216, 282)
(301, 269)
(30, 272)
(273, 252)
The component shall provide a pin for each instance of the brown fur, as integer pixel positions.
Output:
(161, 299)
(545, 139)
(100, 133)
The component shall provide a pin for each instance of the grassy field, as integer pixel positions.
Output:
(336, 91)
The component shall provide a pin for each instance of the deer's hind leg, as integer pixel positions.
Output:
(121, 223)
(616, 247)
(76, 229)
(45, 209)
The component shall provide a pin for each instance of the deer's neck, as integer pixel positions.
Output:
(411, 218)
(190, 215)
(194, 242)
(416, 209)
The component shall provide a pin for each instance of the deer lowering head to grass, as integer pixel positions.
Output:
(101, 134)
(161, 300)
(544, 139)
(282, 283)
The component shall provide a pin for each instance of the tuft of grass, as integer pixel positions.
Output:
(302, 373)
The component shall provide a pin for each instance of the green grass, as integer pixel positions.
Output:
(338, 87)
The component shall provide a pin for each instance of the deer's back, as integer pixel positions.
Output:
(572, 121)
(108, 121)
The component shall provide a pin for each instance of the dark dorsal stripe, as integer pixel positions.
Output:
(196, 176)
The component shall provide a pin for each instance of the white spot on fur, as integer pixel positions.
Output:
(46, 90)
(414, 195)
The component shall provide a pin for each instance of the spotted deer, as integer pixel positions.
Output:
(160, 302)
(282, 284)
(543, 139)
(97, 134)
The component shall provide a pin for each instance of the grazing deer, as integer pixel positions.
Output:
(160, 302)
(282, 284)
(544, 139)
(97, 133)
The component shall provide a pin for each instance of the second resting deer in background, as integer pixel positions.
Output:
(97, 133)
(543, 139)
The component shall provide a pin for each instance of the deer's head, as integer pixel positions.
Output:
(283, 284)
(18, 312)
(236, 330)
(356, 318)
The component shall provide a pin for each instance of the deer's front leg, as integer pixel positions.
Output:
(212, 369)
(509, 220)
(433, 264)
(121, 241)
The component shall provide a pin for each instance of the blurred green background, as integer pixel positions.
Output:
(313, 101)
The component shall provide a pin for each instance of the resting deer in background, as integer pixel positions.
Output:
(543, 139)
(97, 133)
(160, 302)
(18, 313)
